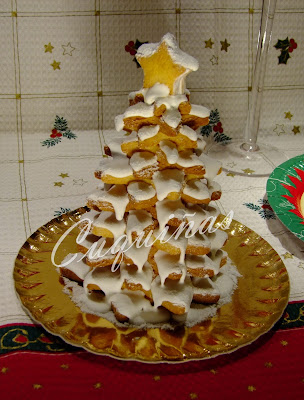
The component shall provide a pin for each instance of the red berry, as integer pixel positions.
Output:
(131, 43)
(290, 49)
(127, 48)
(295, 45)
(53, 135)
(291, 41)
(219, 124)
(132, 52)
(215, 128)
(54, 131)
(59, 134)
(221, 130)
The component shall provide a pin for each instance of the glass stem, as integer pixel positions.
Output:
(253, 118)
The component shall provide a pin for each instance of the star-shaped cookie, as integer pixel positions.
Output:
(165, 63)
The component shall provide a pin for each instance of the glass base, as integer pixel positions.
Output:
(247, 160)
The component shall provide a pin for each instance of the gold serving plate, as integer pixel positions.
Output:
(258, 302)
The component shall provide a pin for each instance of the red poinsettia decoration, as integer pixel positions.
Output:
(55, 133)
(218, 128)
(296, 193)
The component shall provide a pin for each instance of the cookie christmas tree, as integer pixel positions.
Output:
(148, 259)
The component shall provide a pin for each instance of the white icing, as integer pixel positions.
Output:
(114, 142)
(172, 117)
(167, 181)
(132, 137)
(130, 303)
(189, 159)
(107, 220)
(142, 159)
(170, 150)
(178, 241)
(212, 166)
(169, 264)
(77, 266)
(199, 262)
(200, 241)
(92, 215)
(141, 191)
(147, 132)
(201, 144)
(117, 167)
(177, 293)
(167, 209)
(187, 131)
(102, 251)
(119, 122)
(131, 274)
(109, 282)
(137, 221)
(197, 189)
(200, 214)
(217, 240)
(204, 286)
(171, 101)
(139, 110)
(117, 196)
(199, 111)
(139, 256)
(158, 90)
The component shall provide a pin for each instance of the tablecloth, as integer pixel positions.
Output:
(66, 70)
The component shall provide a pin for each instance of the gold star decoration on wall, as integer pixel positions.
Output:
(48, 48)
(214, 60)
(68, 49)
(224, 45)
(296, 129)
(58, 184)
(55, 65)
(288, 115)
(279, 129)
(64, 175)
(208, 44)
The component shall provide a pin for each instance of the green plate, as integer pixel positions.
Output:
(285, 190)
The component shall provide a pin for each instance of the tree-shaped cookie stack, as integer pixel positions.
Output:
(148, 258)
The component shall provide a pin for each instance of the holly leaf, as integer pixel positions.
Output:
(68, 134)
(221, 138)
(60, 124)
(51, 142)
(282, 44)
(138, 43)
(252, 206)
(284, 56)
(214, 117)
(206, 130)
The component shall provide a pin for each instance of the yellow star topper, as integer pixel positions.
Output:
(165, 63)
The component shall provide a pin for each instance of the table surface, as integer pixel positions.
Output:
(56, 182)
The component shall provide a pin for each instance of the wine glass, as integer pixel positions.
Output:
(247, 156)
